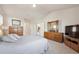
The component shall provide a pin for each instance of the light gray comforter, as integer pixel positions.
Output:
(25, 45)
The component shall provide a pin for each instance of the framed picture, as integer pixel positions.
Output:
(16, 22)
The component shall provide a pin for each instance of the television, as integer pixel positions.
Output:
(72, 31)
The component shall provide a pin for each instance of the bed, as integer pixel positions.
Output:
(24, 45)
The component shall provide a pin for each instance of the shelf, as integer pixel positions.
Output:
(75, 42)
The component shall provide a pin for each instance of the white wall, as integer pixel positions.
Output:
(33, 29)
(27, 28)
(66, 17)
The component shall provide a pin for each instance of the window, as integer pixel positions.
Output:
(1, 20)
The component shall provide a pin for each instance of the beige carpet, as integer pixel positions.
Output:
(59, 48)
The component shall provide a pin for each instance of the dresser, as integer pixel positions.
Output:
(56, 36)
(16, 30)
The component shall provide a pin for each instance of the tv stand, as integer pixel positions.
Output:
(72, 43)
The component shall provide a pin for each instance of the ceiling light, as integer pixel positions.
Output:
(34, 5)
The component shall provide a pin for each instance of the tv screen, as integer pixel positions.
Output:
(72, 31)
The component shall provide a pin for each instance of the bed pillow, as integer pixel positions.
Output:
(16, 36)
(9, 38)
(12, 37)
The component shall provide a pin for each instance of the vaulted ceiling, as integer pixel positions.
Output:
(28, 12)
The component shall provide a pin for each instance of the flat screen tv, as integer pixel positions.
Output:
(72, 31)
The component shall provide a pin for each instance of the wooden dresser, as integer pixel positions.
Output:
(72, 43)
(54, 36)
(16, 30)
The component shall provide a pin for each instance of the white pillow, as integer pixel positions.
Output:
(15, 35)
(9, 38)
(12, 37)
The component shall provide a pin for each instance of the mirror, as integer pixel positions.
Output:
(53, 26)
(16, 22)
